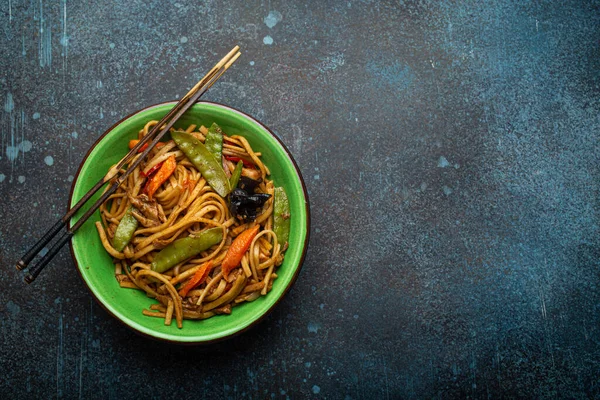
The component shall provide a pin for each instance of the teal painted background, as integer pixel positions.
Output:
(450, 150)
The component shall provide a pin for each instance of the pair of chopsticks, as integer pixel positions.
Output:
(115, 176)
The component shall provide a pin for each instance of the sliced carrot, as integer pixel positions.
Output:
(197, 279)
(151, 170)
(238, 248)
(161, 175)
(134, 142)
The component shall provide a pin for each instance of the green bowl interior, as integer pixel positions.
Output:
(96, 266)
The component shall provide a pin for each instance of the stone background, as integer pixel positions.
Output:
(450, 150)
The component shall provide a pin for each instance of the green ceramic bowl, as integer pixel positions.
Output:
(95, 264)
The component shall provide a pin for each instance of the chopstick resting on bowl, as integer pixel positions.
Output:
(115, 177)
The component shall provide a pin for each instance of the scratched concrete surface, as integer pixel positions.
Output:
(450, 150)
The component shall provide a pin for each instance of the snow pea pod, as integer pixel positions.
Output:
(281, 215)
(214, 141)
(204, 161)
(182, 249)
(125, 230)
(236, 174)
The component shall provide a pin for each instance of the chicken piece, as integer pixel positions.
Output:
(149, 208)
(146, 222)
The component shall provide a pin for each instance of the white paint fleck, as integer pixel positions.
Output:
(36, 115)
(183, 39)
(12, 152)
(49, 160)
(21, 179)
(45, 43)
(273, 18)
(99, 84)
(307, 364)
(9, 103)
(313, 327)
(443, 162)
(74, 135)
(25, 146)
(111, 45)
(70, 178)
(316, 389)
(447, 190)
(423, 186)
(252, 63)
(2, 177)
(268, 40)
(331, 62)
(317, 177)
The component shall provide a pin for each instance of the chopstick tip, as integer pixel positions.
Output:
(21, 265)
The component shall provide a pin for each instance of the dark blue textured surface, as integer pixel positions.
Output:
(451, 154)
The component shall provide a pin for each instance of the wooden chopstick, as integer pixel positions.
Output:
(47, 237)
(166, 123)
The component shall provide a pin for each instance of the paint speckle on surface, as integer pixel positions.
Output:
(443, 162)
(251, 63)
(21, 179)
(36, 115)
(316, 389)
(25, 146)
(447, 190)
(2, 177)
(12, 152)
(49, 160)
(111, 45)
(273, 18)
(268, 40)
(70, 178)
(316, 177)
(183, 39)
(331, 63)
(74, 135)
(313, 327)
(9, 103)
(13, 309)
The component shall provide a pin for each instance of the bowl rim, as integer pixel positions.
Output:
(288, 286)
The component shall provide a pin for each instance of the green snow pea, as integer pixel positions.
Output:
(209, 167)
(281, 215)
(182, 249)
(236, 175)
(125, 230)
(214, 141)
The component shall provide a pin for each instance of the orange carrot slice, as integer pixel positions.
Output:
(197, 279)
(161, 175)
(237, 250)
(133, 142)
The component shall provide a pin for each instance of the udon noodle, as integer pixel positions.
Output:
(186, 206)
